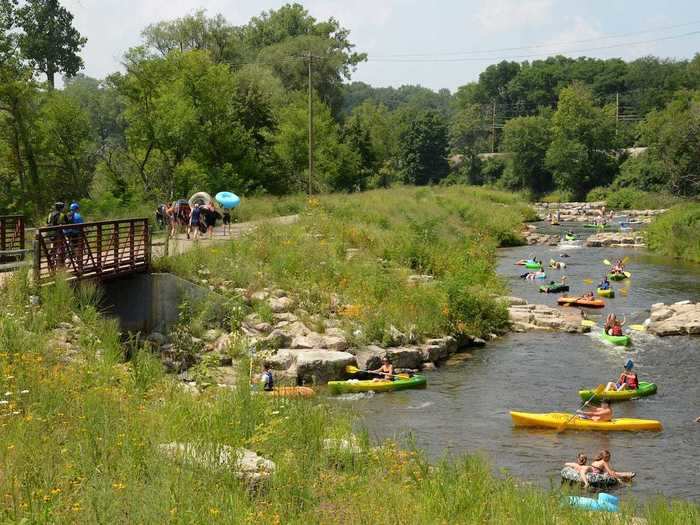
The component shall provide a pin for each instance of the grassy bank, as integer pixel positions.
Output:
(352, 255)
(80, 444)
(677, 232)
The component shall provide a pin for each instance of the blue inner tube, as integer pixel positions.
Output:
(227, 199)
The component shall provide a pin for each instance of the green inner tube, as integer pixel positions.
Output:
(606, 293)
(533, 265)
(617, 276)
(570, 237)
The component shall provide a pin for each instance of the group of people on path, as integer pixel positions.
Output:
(199, 219)
(600, 465)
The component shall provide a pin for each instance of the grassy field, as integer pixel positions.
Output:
(677, 232)
(352, 255)
(80, 445)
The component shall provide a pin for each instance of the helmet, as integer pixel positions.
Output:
(629, 365)
(74, 206)
(60, 205)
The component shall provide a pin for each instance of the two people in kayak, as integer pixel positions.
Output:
(618, 267)
(628, 379)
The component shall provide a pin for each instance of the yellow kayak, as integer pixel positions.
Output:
(556, 419)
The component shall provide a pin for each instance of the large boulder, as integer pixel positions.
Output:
(405, 357)
(680, 318)
(528, 317)
(436, 350)
(243, 463)
(321, 366)
(369, 357)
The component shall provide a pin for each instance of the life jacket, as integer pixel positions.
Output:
(616, 330)
(56, 217)
(631, 381)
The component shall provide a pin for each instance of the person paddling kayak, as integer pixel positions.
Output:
(386, 370)
(601, 413)
(628, 380)
(601, 465)
(613, 326)
(604, 284)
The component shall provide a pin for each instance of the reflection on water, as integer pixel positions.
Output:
(466, 407)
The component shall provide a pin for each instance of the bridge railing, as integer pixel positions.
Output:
(12, 245)
(99, 250)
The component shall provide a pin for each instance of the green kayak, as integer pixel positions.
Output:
(645, 389)
(617, 340)
(354, 385)
(605, 293)
(532, 265)
(570, 237)
(619, 276)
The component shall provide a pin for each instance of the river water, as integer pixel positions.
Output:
(465, 408)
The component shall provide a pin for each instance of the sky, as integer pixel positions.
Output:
(438, 44)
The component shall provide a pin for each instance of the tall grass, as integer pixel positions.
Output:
(352, 255)
(80, 445)
(677, 232)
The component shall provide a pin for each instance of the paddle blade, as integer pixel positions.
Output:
(624, 291)
(588, 281)
(352, 369)
(627, 274)
(587, 322)
(606, 262)
(638, 327)
(625, 259)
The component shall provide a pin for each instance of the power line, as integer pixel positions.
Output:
(543, 45)
(532, 55)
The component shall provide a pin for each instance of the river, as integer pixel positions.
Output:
(465, 408)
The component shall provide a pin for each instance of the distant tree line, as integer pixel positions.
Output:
(205, 105)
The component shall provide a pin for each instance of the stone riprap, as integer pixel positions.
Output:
(681, 318)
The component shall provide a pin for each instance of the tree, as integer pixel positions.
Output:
(582, 152)
(527, 139)
(337, 167)
(423, 148)
(49, 40)
(673, 137)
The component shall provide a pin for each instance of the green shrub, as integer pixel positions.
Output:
(677, 232)
(558, 196)
(631, 198)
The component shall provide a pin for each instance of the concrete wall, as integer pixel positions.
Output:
(149, 302)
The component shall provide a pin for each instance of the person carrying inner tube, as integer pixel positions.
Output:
(628, 380)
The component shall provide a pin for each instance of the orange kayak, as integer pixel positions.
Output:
(292, 391)
(579, 301)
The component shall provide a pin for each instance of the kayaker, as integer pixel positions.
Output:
(386, 370)
(588, 296)
(601, 465)
(267, 380)
(628, 379)
(618, 267)
(613, 326)
(581, 466)
(604, 284)
(601, 413)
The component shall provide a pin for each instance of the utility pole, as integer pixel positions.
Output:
(311, 127)
(493, 128)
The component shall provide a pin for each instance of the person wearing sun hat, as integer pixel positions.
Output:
(628, 379)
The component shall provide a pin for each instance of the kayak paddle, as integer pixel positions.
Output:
(588, 281)
(638, 327)
(599, 390)
(354, 370)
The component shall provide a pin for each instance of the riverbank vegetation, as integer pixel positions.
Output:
(204, 105)
(82, 426)
(677, 232)
(352, 255)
